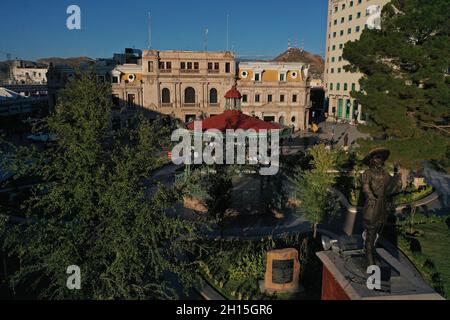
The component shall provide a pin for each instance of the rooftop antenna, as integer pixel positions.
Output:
(149, 30)
(296, 44)
(289, 44)
(228, 32)
(303, 44)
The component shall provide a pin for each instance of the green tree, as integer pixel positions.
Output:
(313, 186)
(218, 187)
(92, 209)
(405, 88)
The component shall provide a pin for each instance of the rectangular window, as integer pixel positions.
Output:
(282, 77)
(338, 86)
(339, 70)
(294, 98)
(169, 65)
(350, 18)
(349, 31)
(216, 66)
(189, 65)
(334, 47)
(342, 33)
(162, 65)
(227, 67)
(210, 65)
(331, 86)
(345, 87)
(115, 79)
(183, 65)
(335, 22)
(358, 28)
(257, 77)
(333, 59)
(245, 98)
(269, 98)
(257, 98)
(196, 66)
(351, 3)
(358, 15)
(332, 70)
(341, 46)
(282, 98)
(353, 87)
(150, 66)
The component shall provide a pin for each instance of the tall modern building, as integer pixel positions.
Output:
(346, 21)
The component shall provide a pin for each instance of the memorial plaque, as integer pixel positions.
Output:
(282, 271)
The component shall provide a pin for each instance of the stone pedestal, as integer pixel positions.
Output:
(282, 272)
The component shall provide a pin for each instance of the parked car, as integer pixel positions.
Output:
(42, 137)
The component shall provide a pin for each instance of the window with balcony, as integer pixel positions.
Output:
(189, 96)
(213, 96)
(131, 100)
(166, 96)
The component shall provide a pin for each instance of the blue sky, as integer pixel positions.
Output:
(32, 29)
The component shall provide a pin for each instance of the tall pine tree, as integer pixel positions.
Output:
(405, 88)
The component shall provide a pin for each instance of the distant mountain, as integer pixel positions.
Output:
(316, 62)
(4, 70)
(73, 62)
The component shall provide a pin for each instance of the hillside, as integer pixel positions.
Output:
(298, 55)
(73, 62)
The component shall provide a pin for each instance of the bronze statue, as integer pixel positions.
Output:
(379, 187)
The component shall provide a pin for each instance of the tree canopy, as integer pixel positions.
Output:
(92, 209)
(405, 88)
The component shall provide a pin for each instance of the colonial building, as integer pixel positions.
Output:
(190, 85)
(276, 92)
(346, 21)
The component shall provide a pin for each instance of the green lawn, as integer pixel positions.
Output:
(435, 246)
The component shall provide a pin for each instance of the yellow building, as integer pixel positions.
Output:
(276, 91)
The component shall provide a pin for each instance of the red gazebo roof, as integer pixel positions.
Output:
(235, 119)
(233, 94)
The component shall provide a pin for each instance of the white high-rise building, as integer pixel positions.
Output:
(346, 21)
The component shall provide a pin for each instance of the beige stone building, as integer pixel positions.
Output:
(276, 92)
(191, 85)
(346, 21)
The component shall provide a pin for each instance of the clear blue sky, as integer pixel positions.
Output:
(32, 29)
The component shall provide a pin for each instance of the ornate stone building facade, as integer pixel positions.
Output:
(192, 85)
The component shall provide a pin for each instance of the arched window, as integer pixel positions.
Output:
(189, 95)
(281, 120)
(213, 96)
(165, 96)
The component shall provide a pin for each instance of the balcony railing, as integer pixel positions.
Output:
(165, 70)
(191, 105)
(213, 71)
(167, 105)
(190, 71)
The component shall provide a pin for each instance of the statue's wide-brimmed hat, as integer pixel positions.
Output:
(383, 152)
